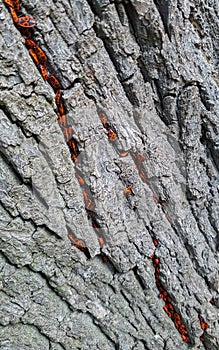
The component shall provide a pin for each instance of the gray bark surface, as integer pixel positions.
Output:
(151, 67)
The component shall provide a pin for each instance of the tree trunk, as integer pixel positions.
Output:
(109, 234)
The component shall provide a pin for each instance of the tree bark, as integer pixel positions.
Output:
(146, 72)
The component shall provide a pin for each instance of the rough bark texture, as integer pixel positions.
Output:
(151, 67)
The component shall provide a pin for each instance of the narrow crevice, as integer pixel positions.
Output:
(199, 269)
(143, 39)
(211, 150)
(159, 106)
(204, 96)
(143, 70)
(138, 278)
(30, 220)
(200, 226)
(37, 327)
(112, 55)
(73, 84)
(103, 329)
(8, 211)
(19, 215)
(14, 121)
(8, 261)
(5, 110)
(129, 302)
(162, 7)
(145, 345)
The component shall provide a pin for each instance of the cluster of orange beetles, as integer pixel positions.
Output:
(25, 23)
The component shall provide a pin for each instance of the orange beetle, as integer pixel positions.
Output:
(169, 300)
(168, 311)
(77, 242)
(38, 52)
(61, 108)
(9, 3)
(103, 119)
(30, 43)
(110, 130)
(176, 319)
(157, 278)
(58, 97)
(143, 175)
(123, 153)
(168, 218)
(74, 150)
(204, 325)
(156, 260)
(41, 55)
(44, 72)
(128, 190)
(74, 158)
(155, 242)
(157, 270)
(79, 245)
(104, 258)
(88, 202)
(62, 120)
(68, 132)
(73, 146)
(182, 329)
(101, 241)
(163, 295)
(23, 21)
(17, 5)
(138, 158)
(34, 56)
(54, 82)
(95, 225)
(112, 135)
(14, 4)
(80, 179)
(185, 338)
(26, 22)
